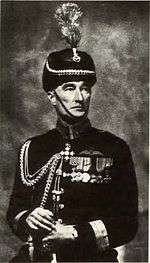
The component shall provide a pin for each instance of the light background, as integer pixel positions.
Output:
(116, 35)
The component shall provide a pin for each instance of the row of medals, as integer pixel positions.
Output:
(81, 167)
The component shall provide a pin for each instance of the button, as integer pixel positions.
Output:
(61, 206)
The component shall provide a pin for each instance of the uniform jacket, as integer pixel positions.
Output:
(108, 194)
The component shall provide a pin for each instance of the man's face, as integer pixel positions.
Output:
(73, 99)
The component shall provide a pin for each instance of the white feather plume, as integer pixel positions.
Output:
(68, 16)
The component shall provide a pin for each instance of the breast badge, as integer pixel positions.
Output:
(67, 152)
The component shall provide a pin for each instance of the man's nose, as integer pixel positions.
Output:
(78, 95)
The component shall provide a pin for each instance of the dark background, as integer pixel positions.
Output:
(116, 36)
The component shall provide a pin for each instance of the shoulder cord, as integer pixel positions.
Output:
(50, 178)
(42, 205)
(56, 194)
(28, 181)
(32, 179)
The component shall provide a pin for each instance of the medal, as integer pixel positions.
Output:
(76, 177)
(107, 178)
(85, 178)
(74, 160)
(80, 165)
(86, 164)
(108, 162)
(66, 174)
(92, 179)
(77, 162)
(100, 164)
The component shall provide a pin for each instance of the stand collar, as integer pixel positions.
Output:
(72, 131)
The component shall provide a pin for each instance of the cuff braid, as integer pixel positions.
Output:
(86, 241)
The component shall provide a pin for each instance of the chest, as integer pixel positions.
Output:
(86, 174)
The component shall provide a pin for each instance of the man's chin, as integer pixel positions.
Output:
(73, 118)
(78, 115)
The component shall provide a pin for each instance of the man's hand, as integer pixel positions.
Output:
(61, 234)
(41, 219)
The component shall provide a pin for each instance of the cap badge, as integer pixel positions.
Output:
(76, 57)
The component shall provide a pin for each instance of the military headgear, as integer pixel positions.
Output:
(68, 64)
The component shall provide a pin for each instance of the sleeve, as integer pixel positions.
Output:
(19, 206)
(121, 225)
(91, 239)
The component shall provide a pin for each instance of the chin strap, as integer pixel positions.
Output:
(63, 105)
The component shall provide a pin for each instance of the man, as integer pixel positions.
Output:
(75, 193)
(98, 204)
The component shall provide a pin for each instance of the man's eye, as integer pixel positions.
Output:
(87, 89)
(69, 88)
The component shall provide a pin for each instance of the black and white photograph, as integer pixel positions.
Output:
(74, 178)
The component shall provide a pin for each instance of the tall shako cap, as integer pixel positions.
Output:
(68, 64)
(60, 67)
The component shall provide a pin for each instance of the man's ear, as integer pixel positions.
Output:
(52, 97)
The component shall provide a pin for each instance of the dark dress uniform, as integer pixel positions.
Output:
(93, 168)
(103, 188)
